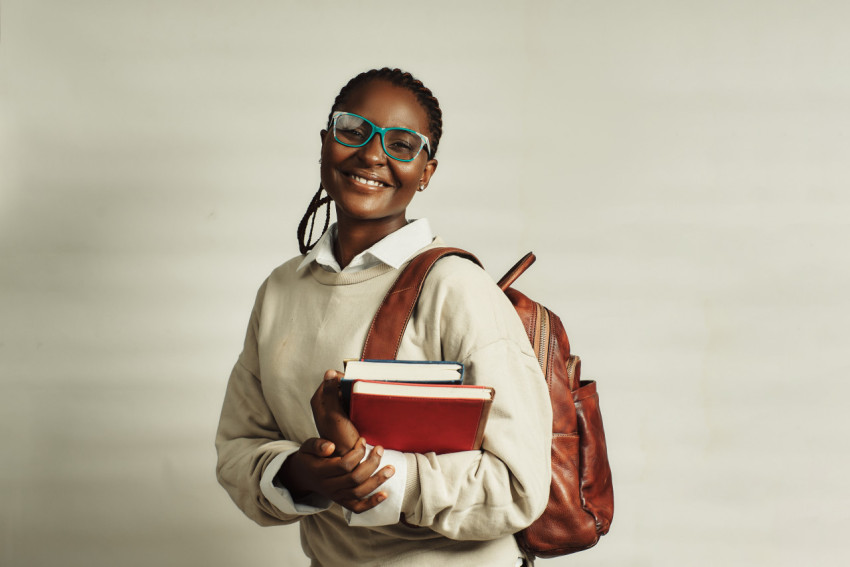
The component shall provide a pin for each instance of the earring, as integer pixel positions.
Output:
(422, 187)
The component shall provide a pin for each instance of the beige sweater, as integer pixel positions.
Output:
(468, 504)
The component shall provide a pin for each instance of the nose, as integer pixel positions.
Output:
(373, 151)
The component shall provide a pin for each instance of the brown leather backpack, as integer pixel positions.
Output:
(581, 496)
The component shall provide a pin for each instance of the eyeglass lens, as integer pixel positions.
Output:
(354, 131)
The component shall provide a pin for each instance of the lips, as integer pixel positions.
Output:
(369, 181)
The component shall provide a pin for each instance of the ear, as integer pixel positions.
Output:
(323, 134)
(430, 168)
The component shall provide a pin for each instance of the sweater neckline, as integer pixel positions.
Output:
(326, 277)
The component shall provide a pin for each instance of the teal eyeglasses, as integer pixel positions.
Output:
(400, 144)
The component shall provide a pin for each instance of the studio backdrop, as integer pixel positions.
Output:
(679, 168)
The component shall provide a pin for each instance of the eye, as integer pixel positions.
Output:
(352, 132)
(401, 145)
(402, 142)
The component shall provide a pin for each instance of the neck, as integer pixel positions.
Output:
(353, 237)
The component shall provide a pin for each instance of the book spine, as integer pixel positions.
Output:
(482, 422)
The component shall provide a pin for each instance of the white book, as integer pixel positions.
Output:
(440, 372)
(422, 390)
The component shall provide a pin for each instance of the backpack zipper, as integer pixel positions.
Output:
(541, 339)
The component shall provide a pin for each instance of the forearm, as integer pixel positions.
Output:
(241, 467)
(470, 497)
(479, 495)
(248, 440)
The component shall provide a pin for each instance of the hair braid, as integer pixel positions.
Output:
(304, 244)
(398, 78)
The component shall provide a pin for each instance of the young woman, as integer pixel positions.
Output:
(286, 450)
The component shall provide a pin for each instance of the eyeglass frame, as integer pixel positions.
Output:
(426, 143)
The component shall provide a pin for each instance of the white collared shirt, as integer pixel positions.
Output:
(393, 250)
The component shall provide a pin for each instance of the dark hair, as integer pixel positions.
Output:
(398, 78)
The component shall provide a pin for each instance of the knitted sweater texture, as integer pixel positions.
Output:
(463, 507)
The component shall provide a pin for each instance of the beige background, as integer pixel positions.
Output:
(680, 168)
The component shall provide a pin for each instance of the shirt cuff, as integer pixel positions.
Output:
(387, 512)
(280, 497)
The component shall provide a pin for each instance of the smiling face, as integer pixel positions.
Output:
(364, 183)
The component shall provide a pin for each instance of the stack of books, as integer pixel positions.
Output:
(415, 406)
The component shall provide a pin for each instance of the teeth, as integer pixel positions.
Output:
(370, 182)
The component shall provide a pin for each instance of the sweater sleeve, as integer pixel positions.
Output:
(248, 438)
(501, 489)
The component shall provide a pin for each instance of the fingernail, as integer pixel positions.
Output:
(324, 447)
(379, 451)
(388, 472)
(382, 496)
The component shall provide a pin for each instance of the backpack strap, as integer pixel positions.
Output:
(384, 337)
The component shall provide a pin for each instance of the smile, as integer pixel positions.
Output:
(369, 182)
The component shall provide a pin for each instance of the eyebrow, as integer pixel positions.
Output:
(426, 132)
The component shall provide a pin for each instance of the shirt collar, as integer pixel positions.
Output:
(393, 250)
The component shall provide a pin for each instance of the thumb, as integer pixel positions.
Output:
(318, 447)
(331, 392)
(333, 375)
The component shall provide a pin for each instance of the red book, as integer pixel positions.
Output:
(418, 418)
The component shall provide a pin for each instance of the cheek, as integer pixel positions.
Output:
(409, 174)
(403, 196)
(330, 152)
(332, 155)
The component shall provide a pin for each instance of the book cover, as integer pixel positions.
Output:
(420, 418)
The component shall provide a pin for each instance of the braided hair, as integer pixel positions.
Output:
(395, 77)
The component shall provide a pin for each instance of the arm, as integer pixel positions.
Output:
(333, 424)
(331, 419)
(480, 495)
(247, 441)
(256, 465)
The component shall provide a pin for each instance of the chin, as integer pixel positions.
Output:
(361, 208)
(366, 214)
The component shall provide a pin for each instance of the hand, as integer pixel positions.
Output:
(331, 419)
(345, 480)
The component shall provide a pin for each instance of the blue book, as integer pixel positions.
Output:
(407, 371)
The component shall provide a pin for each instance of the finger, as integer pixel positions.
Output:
(349, 485)
(331, 399)
(346, 441)
(333, 375)
(360, 506)
(362, 473)
(317, 447)
(327, 399)
(339, 469)
(352, 459)
(332, 468)
(330, 390)
(331, 378)
(323, 385)
(368, 466)
(370, 485)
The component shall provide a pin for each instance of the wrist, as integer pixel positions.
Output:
(288, 479)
